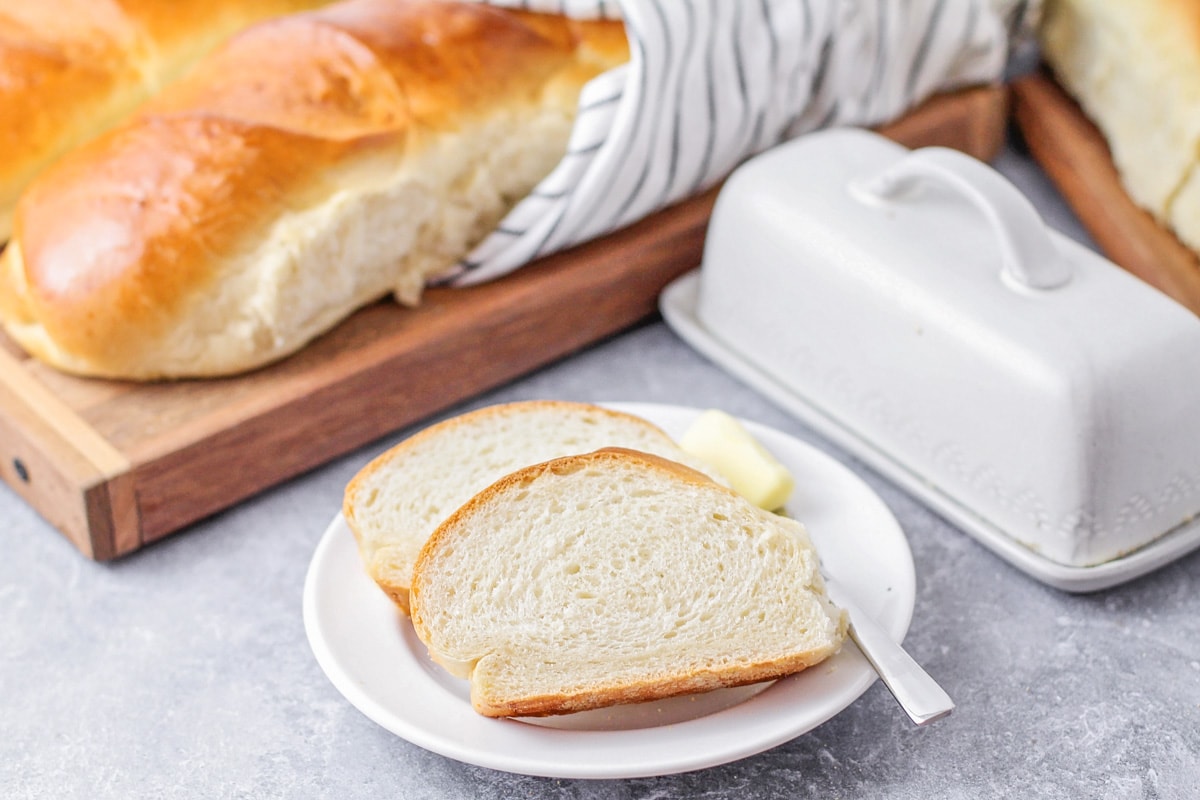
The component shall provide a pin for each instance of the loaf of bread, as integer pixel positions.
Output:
(310, 165)
(617, 577)
(397, 500)
(1134, 68)
(71, 69)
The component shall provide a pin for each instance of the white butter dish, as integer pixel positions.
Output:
(914, 308)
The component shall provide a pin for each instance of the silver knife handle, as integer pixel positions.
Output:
(914, 689)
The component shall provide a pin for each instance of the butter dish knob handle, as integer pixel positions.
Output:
(1029, 257)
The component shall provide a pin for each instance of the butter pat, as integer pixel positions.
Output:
(722, 441)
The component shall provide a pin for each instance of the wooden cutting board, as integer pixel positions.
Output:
(1075, 156)
(116, 465)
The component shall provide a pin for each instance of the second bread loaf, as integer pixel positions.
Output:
(1134, 67)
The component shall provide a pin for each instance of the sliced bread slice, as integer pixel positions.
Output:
(617, 577)
(397, 500)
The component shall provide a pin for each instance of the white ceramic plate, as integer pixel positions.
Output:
(372, 656)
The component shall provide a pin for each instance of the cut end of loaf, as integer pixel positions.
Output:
(616, 577)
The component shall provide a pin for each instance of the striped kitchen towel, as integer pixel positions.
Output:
(710, 83)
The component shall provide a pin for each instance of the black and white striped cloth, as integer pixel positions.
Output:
(712, 82)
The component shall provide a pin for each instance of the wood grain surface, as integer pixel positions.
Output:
(115, 465)
(1075, 156)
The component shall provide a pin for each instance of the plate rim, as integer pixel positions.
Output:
(337, 535)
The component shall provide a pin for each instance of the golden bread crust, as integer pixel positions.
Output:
(692, 682)
(47, 68)
(113, 245)
(118, 241)
(70, 69)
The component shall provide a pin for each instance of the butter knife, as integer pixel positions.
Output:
(914, 689)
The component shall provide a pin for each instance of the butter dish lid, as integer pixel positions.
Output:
(916, 309)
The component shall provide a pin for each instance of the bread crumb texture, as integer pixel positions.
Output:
(395, 502)
(616, 577)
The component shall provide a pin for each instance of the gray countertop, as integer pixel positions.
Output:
(184, 671)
